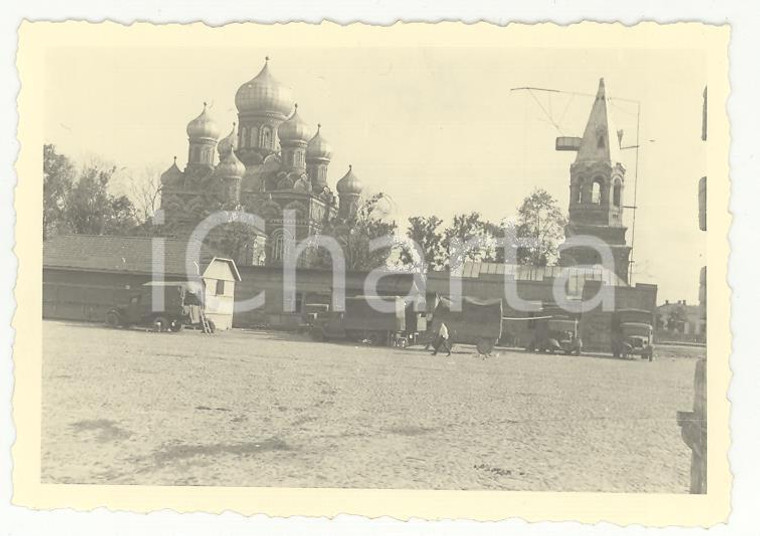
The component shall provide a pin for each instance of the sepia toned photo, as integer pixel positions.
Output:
(271, 259)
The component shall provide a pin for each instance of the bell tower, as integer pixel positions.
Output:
(597, 181)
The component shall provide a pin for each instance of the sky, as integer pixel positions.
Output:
(439, 129)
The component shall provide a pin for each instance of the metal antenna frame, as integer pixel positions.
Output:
(636, 147)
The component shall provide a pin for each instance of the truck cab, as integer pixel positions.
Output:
(182, 306)
(632, 334)
(558, 334)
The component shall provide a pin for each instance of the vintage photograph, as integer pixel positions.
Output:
(463, 266)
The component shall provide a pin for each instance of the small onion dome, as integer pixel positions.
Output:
(318, 146)
(294, 129)
(231, 166)
(264, 94)
(203, 126)
(172, 174)
(229, 143)
(349, 184)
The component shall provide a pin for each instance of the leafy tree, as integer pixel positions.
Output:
(425, 232)
(354, 234)
(91, 209)
(677, 318)
(57, 178)
(480, 234)
(238, 241)
(540, 218)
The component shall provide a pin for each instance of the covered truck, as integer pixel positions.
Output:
(633, 333)
(478, 322)
(396, 322)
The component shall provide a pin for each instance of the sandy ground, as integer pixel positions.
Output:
(246, 408)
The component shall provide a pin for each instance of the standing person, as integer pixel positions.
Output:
(442, 340)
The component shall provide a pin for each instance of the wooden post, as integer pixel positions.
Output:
(694, 430)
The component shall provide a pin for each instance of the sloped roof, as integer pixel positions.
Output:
(121, 254)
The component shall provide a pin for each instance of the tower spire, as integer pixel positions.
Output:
(599, 142)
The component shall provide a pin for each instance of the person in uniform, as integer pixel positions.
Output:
(442, 340)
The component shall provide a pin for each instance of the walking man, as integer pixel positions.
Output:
(442, 340)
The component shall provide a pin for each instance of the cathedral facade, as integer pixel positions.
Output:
(271, 164)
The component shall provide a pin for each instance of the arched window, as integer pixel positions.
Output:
(244, 137)
(279, 242)
(579, 191)
(265, 137)
(596, 192)
(254, 137)
(617, 191)
(600, 143)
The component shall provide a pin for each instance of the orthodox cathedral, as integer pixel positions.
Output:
(270, 162)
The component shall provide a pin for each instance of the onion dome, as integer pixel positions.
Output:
(231, 166)
(264, 94)
(172, 174)
(203, 126)
(349, 184)
(318, 146)
(228, 144)
(294, 129)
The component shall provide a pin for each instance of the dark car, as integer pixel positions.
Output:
(181, 307)
(555, 335)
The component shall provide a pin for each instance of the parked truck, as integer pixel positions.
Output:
(633, 333)
(478, 322)
(397, 324)
(555, 334)
(182, 306)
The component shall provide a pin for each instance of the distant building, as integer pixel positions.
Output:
(84, 276)
(679, 321)
(270, 162)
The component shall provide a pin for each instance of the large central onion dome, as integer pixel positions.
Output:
(349, 184)
(294, 129)
(264, 94)
(203, 126)
(318, 147)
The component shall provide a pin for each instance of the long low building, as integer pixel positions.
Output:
(83, 276)
(483, 281)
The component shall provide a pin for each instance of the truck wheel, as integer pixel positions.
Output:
(113, 319)
(317, 335)
(485, 346)
(373, 339)
(176, 326)
(160, 323)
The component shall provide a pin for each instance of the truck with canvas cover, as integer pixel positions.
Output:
(478, 322)
(555, 334)
(364, 321)
(182, 307)
(632, 333)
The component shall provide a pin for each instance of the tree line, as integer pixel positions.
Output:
(79, 200)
